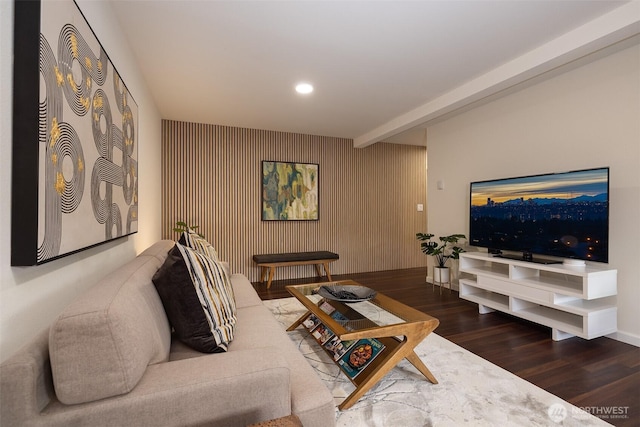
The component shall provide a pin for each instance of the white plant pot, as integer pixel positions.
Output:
(441, 274)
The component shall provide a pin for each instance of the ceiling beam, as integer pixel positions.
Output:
(604, 31)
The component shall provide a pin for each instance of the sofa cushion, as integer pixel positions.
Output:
(198, 298)
(243, 291)
(311, 400)
(159, 249)
(198, 243)
(101, 343)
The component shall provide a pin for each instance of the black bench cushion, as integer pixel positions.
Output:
(295, 256)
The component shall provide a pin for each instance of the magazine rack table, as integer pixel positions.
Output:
(381, 320)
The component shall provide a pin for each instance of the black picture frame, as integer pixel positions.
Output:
(75, 138)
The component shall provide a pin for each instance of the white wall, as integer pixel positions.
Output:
(587, 117)
(31, 297)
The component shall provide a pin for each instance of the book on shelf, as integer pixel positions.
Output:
(340, 318)
(322, 334)
(311, 322)
(326, 307)
(337, 348)
(333, 346)
(359, 355)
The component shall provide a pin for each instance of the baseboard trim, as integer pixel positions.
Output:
(625, 337)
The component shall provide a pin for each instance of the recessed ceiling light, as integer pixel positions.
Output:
(304, 88)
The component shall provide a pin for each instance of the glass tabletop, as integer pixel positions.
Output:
(352, 316)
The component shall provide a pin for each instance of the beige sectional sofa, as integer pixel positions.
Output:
(109, 360)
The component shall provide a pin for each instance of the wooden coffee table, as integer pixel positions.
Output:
(390, 327)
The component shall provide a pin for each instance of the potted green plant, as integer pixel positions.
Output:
(442, 252)
(183, 226)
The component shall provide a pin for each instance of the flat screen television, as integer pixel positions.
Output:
(564, 215)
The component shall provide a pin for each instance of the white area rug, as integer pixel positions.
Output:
(471, 390)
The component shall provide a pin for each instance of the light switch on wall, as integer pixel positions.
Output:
(420, 207)
(440, 184)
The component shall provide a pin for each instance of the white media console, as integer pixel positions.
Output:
(571, 300)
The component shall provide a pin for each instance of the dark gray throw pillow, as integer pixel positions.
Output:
(198, 299)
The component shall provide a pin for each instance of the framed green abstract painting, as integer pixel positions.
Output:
(290, 191)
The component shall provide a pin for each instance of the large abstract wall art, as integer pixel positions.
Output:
(289, 191)
(75, 138)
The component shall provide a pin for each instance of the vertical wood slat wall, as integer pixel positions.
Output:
(368, 196)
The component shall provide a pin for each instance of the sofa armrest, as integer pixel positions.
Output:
(236, 388)
(226, 267)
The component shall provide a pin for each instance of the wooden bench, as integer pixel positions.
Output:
(269, 262)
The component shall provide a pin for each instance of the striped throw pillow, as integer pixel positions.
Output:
(192, 240)
(198, 299)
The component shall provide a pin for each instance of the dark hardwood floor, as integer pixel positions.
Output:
(600, 375)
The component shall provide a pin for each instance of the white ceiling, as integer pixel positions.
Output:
(379, 67)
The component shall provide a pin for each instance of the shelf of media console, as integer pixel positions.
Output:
(571, 300)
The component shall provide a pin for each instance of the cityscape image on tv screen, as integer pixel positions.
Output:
(563, 215)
